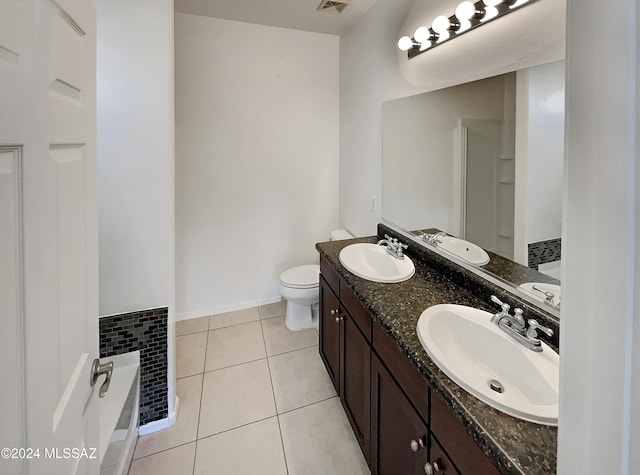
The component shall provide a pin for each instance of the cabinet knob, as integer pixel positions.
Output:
(416, 445)
(336, 312)
(431, 468)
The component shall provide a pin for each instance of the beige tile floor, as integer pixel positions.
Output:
(254, 398)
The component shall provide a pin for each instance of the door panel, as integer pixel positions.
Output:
(70, 210)
(12, 34)
(11, 293)
(47, 115)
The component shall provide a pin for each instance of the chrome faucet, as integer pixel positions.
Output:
(516, 327)
(393, 246)
(548, 296)
(434, 239)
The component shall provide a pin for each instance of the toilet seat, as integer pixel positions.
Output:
(301, 277)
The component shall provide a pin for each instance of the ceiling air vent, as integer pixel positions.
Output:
(333, 6)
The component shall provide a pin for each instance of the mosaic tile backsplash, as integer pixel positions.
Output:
(145, 331)
(542, 252)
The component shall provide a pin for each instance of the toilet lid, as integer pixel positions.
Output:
(301, 277)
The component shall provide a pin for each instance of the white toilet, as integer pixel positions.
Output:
(299, 286)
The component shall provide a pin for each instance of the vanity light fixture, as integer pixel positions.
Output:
(468, 16)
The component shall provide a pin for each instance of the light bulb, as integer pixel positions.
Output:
(465, 11)
(422, 34)
(405, 43)
(493, 3)
(441, 26)
(518, 3)
(489, 13)
(464, 26)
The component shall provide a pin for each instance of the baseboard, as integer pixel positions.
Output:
(206, 312)
(155, 426)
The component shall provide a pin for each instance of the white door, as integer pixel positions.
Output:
(488, 184)
(48, 237)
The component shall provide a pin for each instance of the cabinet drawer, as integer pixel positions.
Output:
(465, 454)
(408, 377)
(359, 314)
(330, 275)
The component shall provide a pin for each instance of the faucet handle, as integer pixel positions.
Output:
(505, 306)
(534, 326)
(519, 321)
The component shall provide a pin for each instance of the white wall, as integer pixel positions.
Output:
(369, 76)
(599, 424)
(257, 117)
(539, 155)
(135, 100)
(135, 154)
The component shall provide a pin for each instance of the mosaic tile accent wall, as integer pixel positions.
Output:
(544, 251)
(145, 331)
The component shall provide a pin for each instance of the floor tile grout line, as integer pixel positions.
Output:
(307, 405)
(165, 450)
(275, 402)
(204, 366)
(291, 351)
(237, 427)
(234, 365)
(272, 317)
(233, 325)
(209, 329)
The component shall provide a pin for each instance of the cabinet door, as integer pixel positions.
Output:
(399, 435)
(330, 332)
(355, 381)
(439, 460)
(462, 449)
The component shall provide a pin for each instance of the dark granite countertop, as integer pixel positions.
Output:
(516, 447)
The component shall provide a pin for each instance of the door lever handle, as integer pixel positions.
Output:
(97, 370)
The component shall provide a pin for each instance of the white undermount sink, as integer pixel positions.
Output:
(373, 262)
(465, 250)
(491, 365)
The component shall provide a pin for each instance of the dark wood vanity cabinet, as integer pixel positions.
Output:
(346, 353)
(401, 427)
(330, 332)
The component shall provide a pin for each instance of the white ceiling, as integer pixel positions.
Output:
(295, 14)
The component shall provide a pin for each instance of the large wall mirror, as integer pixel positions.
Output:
(483, 162)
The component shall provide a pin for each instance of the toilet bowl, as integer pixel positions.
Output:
(299, 286)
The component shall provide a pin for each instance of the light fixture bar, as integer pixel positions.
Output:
(468, 16)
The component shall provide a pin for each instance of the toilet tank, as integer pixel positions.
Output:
(340, 234)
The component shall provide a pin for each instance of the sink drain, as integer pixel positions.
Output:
(496, 386)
